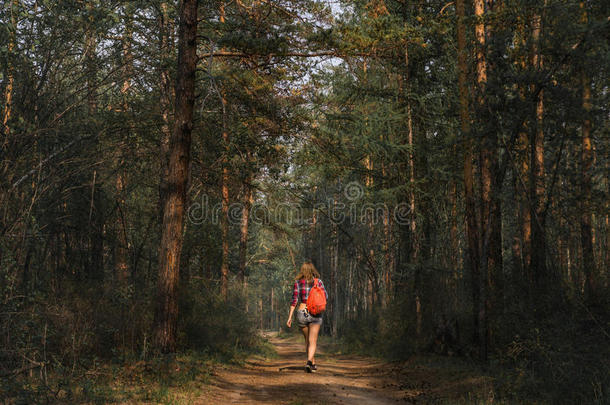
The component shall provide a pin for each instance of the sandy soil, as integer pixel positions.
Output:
(340, 379)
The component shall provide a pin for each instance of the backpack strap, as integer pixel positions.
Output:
(315, 282)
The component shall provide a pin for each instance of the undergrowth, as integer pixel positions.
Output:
(62, 349)
(558, 356)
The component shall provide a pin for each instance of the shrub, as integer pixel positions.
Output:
(208, 323)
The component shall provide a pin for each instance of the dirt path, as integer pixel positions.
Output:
(340, 380)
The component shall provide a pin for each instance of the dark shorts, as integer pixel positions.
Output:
(304, 318)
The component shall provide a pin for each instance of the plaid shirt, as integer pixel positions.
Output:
(301, 290)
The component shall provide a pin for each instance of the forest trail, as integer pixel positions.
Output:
(341, 379)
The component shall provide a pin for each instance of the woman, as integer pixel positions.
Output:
(309, 324)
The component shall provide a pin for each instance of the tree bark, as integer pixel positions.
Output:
(470, 206)
(335, 289)
(389, 256)
(537, 184)
(166, 315)
(122, 249)
(415, 242)
(166, 93)
(586, 236)
(485, 161)
(455, 250)
(525, 226)
(334, 275)
(411, 143)
(121, 266)
(96, 221)
(243, 238)
(606, 259)
(8, 91)
(224, 220)
(492, 203)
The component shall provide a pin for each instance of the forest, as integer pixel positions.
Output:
(167, 166)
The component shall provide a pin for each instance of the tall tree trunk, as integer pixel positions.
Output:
(586, 236)
(243, 238)
(166, 315)
(166, 93)
(485, 161)
(272, 310)
(516, 245)
(606, 257)
(121, 266)
(348, 298)
(372, 283)
(453, 234)
(334, 275)
(411, 143)
(561, 245)
(389, 257)
(491, 201)
(335, 289)
(525, 225)
(604, 275)
(521, 183)
(96, 242)
(8, 91)
(537, 183)
(371, 287)
(470, 209)
(224, 220)
(415, 242)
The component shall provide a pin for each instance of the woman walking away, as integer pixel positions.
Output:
(307, 277)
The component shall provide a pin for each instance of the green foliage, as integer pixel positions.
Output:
(175, 380)
(559, 359)
(83, 355)
(362, 336)
(210, 324)
(299, 130)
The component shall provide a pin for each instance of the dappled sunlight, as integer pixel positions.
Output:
(419, 188)
(341, 379)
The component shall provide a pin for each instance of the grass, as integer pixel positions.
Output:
(169, 381)
(181, 379)
(422, 378)
(175, 380)
(265, 349)
(178, 379)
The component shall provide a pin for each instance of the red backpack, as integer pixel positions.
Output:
(316, 300)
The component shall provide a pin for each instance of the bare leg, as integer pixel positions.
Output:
(313, 341)
(305, 331)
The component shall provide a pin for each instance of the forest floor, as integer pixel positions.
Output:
(341, 379)
(201, 379)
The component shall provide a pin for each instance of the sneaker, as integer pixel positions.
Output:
(308, 367)
(314, 368)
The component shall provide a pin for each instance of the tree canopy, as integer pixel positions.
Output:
(166, 167)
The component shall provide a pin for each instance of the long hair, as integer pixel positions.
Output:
(308, 272)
